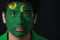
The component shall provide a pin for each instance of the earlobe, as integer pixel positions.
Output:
(35, 18)
(3, 17)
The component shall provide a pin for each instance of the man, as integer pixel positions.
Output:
(19, 19)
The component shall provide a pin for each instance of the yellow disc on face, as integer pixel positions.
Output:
(12, 6)
(21, 8)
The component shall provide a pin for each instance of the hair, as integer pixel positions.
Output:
(33, 2)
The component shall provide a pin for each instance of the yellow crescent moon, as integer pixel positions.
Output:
(12, 6)
(21, 8)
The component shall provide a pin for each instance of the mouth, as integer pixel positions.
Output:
(19, 29)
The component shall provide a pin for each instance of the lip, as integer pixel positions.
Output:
(19, 29)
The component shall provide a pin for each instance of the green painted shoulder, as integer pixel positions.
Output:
(4, 36)
(42, 38)
(37, 37)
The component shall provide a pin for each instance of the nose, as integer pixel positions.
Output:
(20, 24)
(19, 20)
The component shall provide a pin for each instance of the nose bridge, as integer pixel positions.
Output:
(20, 18)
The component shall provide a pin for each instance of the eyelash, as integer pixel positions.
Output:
(26, 14)
(13, 14)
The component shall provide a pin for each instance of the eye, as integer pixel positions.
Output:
(13, 14)
(26, 14)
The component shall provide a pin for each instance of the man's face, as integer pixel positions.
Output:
(19, 18)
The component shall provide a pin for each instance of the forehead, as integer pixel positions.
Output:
(14, 5)
(19, 6)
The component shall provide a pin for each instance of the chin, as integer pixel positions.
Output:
(20, 35)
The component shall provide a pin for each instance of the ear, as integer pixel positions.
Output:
(35, 19)
(3, 17)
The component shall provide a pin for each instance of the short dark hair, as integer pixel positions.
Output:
(34, 3)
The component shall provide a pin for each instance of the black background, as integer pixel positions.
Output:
(47, 19)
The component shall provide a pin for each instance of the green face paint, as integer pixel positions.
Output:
(19, 15)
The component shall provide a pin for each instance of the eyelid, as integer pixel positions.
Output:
(26, 14)
(13, 14)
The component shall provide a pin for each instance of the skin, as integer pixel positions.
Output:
(20, 15)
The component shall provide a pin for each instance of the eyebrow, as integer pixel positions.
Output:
(14, 10)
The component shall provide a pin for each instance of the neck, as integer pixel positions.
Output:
(12, 37)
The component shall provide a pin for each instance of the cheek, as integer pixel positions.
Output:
(10, 28)
(10, 23)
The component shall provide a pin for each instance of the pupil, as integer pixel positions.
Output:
(13, 14)
(27, 14)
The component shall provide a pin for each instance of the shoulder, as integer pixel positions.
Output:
(42, 38)
(37, 37)
(4, 36)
